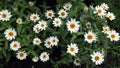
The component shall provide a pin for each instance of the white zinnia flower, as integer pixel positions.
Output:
(104, 6)
(21, 55)
(48, 43)
(67, 6)
(72, 49)
(77, 62)
(19, 21)
(97, 57)
(73, 26)
(34, 17)
(49, 14)
(42, 25)
(106, 29)
(44, 57)
(35, 59)
(62, 13)
(113, 35)
(10, 34)
(54, 40)
(110, 16)
(5, 15)
(36, 28)
(15, 45)
(36, 41)
(90, 37)
(57, 22)
(100, 11)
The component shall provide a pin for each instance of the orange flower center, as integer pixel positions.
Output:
(72, 49)
(67, 6)
(109, 16)
(63, 13)
(37, 41)
(48, 42)
(42, 25)
(106, 29)
(10, 33)
(57, 22)
(99, 11)
(15, 45)
(50, 14)
(72, 25)
(53, 40)
(34, 17)
(21, 54)
(44, 56)
(89, 36)
(113, 36)
(4, 15)
(97, 58)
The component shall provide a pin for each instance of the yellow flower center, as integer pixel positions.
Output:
(57, 22)
(21, 54)
(4, 15)
(97, 58)
(72, 25)
(34, 17)
(49, 14)
(72, 49)
(15, 45)
(67, 6)
(113, 36)
(37, 41)
(89, 36)
(109, 16)
(42, 25)
(53, 40)
(99, 11)
(48, 42)
(44, 56)
(10, 33)
(62, 13)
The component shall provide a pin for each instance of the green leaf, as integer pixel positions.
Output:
(73, 37)
(34, 53)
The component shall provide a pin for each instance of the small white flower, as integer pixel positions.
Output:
(57, 22)
(72, 49)
(42, 25)
(34, 17)
(110, 16)
(49, 14)
(62, 13)
(100, 11)
(15, 45)
(104, 6)
(73, 26)
(21, 55)
(10, 34)
(19, 21)
(54, 40)
(5, 15)
(36, 28)
(97, 57)
(48, 43)
(106, 29)
(77, 62)
(35, 59)
(67, 6)
(90, 37)
(113, 35)
(36, 41)
(44, 57)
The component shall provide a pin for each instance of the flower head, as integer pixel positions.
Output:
(19, 21)
(15, 45)
(42, 25)
(100, 11)
(34, 17)
(48, 43)
(54, 40)
(77, 62)
(67, 6)
(57, 22)
(21, 55)
(104, 6)
(49, 14)
(35, 59)
(106, 29)
(36, 41)
(110, 16)
(62, 13)
(44, 57)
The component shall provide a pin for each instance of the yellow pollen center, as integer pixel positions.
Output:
(113, 36)
(89, 36)
(67, 6)
(109, 16)
(4, 15)
(72, 25)
(99, 11)
(63, 13)
(48, 42)
(97, 58)
(37, 41)
(53, 40)
(44, 56)
(72, 49)
(57, 22)
(42, 25)
(15, 45)
(34, 17)
(21, 54)
(50, 14)
(10, 33)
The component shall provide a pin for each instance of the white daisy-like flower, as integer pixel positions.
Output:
(42, 25)
(57, 22)
(19, 21)
(10, 34)
(73, 26)
(15, 45)
(72, 49)
(97, 57)
(110, 16)
(62, 13)
(36, 41)
(90, 37)
(77, 62)
(54, 40)
(21, 55)
(113, 35)
(67, 6)
(44, 57)
(104, 6)
(106, 29)
(36, 28)
(5, 15)
(100, 11)
(34, 17)
(49, 14)
(48, 43)
(35, 59)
